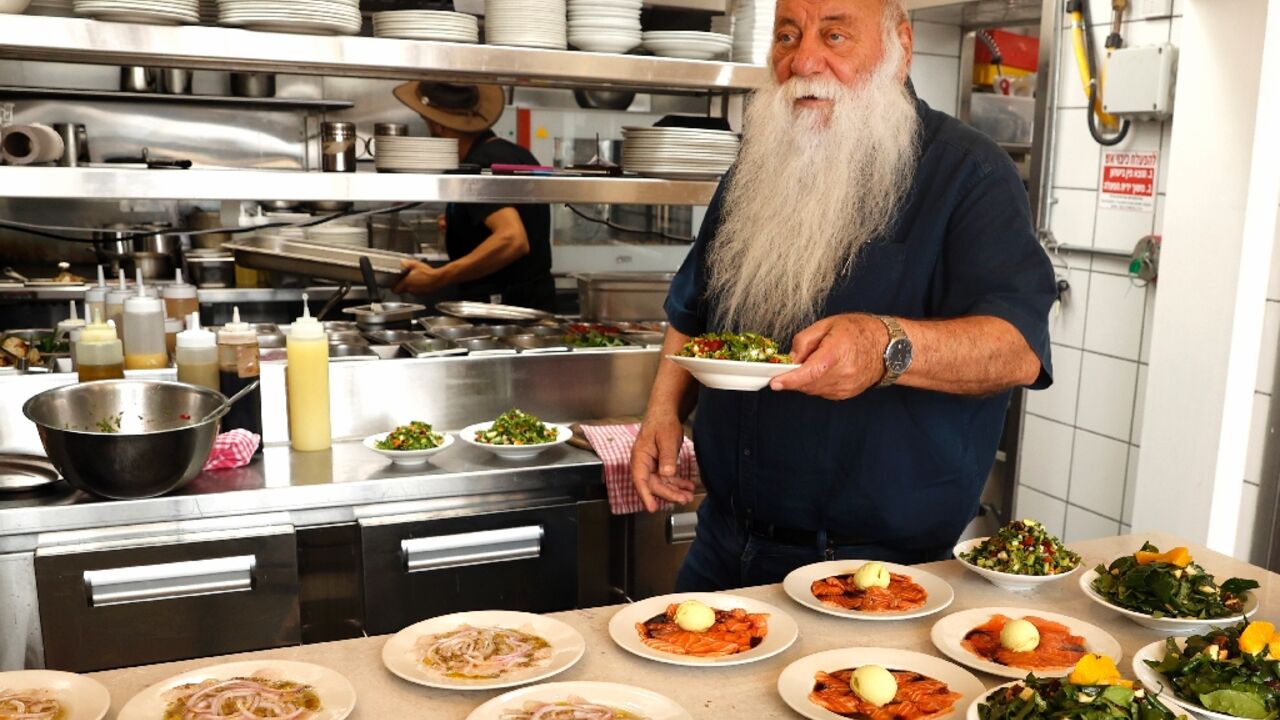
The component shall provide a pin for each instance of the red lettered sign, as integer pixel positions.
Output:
(1128, 180)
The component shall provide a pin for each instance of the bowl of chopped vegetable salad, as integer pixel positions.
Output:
(516, 435)
(1021, 556)
(733, 361)
(410, 444)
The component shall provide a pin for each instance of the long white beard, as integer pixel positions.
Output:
(807, 194)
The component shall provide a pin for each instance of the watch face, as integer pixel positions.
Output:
(897, 357)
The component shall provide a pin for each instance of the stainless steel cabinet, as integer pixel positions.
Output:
(113, 604)
(649, 548)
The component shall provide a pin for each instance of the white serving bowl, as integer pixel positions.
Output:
(515, 452)
(1004, 580)
(732, 374)
(406, 457)
(1166, 625)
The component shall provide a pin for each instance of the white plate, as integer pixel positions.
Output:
(972, 712)
(622, 628)
(1156, 683)
(401, 657)
(949, 632)
(731, 374)
(1004, 580)
(405, 457)
(515, 452)
(798, 585)
(637, 701)
(1168, 626)
(82, 697)
(337, 697)
(796, 681)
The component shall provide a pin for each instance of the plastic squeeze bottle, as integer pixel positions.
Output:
(95, 298)
(172, 326)
(144, 346)
(197, 355)
(98, 353)
(73, 322)
(237, 367)
(179, 298)
(114, 305)
(307, 383)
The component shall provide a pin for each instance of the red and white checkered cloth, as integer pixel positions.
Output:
(613, 444)
(232, 449)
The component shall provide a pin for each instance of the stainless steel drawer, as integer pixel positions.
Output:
(656, 549)
(417, 567)
(108, 605)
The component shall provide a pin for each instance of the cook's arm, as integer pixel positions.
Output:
(507, 243)
(657, 447)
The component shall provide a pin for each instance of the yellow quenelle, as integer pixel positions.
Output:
(694, 616)
(1258, 636)
(1097, 670)
(874, 684)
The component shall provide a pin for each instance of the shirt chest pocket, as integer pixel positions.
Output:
(875, 285)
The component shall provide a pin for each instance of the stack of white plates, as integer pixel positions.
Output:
(427, 25)
(311, 17)
(416, 154)
(678, 152)
(51, 8)
(526, 23)
(153, 12)
(722, 24)
(753, 31)
(340, 235)
(688, 44)
(604, 25)
(208, 12)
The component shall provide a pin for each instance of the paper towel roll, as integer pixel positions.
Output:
(30, 144)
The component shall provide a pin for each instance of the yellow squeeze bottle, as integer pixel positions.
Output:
(307, 383)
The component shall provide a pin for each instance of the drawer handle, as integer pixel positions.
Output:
(169, 581)
(681, 527)
(474, 548)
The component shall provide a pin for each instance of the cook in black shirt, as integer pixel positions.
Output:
(497, 253)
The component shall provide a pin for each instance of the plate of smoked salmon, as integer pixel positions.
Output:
(703, 629)
(877, 684)
(868, 590)
(1012, 642)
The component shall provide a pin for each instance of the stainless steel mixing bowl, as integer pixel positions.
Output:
(126, 438)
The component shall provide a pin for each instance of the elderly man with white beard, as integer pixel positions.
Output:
(891, 247)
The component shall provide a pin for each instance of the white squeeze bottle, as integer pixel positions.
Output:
(65, 327)
(95, 298)
(114, 305)
(144, 346)
(197, 355)
(307, 383)
(179, 298)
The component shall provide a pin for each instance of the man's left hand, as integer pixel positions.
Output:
(841, 357)
(420, 279)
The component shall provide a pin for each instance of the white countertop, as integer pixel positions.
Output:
(747, 691)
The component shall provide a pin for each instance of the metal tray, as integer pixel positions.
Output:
(530, 344)
(649, 340)
(21, 473)
(423, 347)
(393, 337)
(554, 331)
(351, 351)
(501, 331)
(385, 312)
(346, 337)
(436, 321)
(460, 333)
(316, 259)
(485, 346)
(490, 311)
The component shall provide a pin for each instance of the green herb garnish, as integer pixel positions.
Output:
(1023, 547)
(1165, 589)
(1044, 699)
(592, 336)
(743, 347)
(110, 424)
(1214, 671)
(516, 427)
(417, 435)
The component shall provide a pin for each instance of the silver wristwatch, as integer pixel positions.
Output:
(897, 354)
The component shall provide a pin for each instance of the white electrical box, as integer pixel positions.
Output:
(1147, 9)
(1140, 81)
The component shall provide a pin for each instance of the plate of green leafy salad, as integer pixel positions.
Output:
(516, 435)
(410, 444)
(1227, 673)
(733, 361)
(1075, 697)
(1020, 556)
(1168, 591)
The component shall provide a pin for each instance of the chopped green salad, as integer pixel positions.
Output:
(593, 336)
(417, 435)
(1233, 670)
(1044, 699)
(743, 347)
(517, 427)
(1169, 585)
(1023, 547)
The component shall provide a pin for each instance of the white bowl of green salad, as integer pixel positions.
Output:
(411, 444)
(516, 435)
(1021, 556)
(733, 361)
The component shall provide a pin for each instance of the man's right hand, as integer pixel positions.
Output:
(653, 461)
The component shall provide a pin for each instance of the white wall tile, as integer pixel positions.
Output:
(1260, 434)
(1179, 7)
(1085, 525)
(1157, 228)
(1130, 485)
(1072, 218)
(1114, 325)
(1058, 402)
(1077, 155)
(1140, 399)
(1140, 33)
(1162, 170)
(936, 38)
(1270, 345)
(1175, 29)
(1037, 506)
(1122, 229)
(1098, 467)
(1071, 89)
(1107, 388)
(1148, 323)
(937, 81)
(1273, 288)
(1248, 519)
(1066, 319)
(1046, 456)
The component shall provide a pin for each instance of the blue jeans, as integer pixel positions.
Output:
(725, 556)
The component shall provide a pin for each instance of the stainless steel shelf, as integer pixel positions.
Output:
(17, 293)
(29, 37)
(9, 91)
(113, 184)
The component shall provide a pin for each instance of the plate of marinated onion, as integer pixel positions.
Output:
(581, 701)
(282, 689)
(53, 694)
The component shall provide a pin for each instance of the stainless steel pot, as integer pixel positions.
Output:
(154, 265)
(159, 445)
(623, 296)
(253, 85)
(134, 78)
(604, 99)
(175, 81)
(211, 268)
